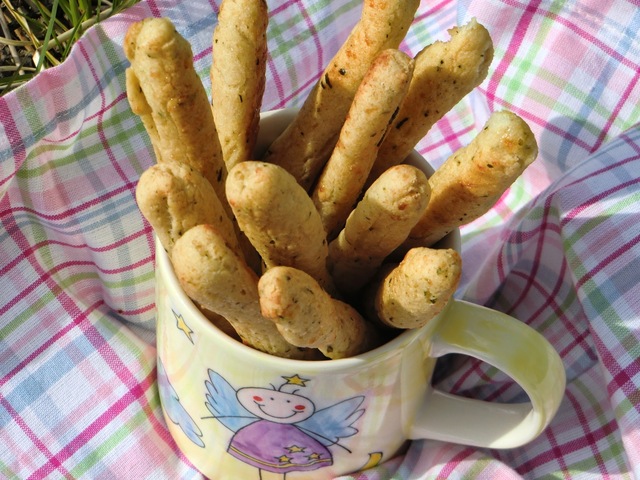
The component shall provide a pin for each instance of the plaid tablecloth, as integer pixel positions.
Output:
(560, 251)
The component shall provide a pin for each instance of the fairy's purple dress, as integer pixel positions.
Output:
(278, 447)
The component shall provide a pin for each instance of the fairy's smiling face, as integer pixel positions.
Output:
(274, 405)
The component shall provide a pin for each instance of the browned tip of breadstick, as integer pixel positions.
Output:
(306, 315)
(216, 278)
(379, 224)
(419, 288)
(171, 99)
(472, 180)
(308, 141)
(174, 197)
(445, 72)
(279, 218)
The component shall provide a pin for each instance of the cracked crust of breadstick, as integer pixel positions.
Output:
(308, 141)
(216, 278)
(373, 108)
(445, 72)
(238, 76)
(308, 316)
(419, 288)
(473, 179)
(377, 226)
(177, 113)
(174, 197)
(279, 218)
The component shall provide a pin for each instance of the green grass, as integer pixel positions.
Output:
(35, 35)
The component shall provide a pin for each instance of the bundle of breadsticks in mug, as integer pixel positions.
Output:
(325, 244)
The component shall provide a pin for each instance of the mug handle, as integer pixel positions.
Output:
(509, 345)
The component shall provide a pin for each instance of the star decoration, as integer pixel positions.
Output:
(284, 459)
(295, 449)
(296, 380)
(182, 325)
(314, 456)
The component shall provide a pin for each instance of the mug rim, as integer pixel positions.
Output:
(165, 269)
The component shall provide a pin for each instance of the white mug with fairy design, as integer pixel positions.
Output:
(237, 413)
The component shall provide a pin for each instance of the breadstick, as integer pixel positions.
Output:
(220, 323)
(164, 87)
(472, 180)
(308, 316)
(215, 277)
(279, 218)
(444, 73)
(419, 288)
(238, 76)
(377, 226)
(174, 197)
(306, 144)
(375, 103)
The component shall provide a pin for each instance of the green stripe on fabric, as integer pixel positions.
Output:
(65, 284)
(7, 473)
(614, 451)
(276, 32)
(117, 438)
(280, 46)
(593, 222)
(31, 112)
(125, 283)
(594, 294)
(123, 136)
(115, 64)
(23, 317)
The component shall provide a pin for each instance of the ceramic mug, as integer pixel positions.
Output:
(237, 413)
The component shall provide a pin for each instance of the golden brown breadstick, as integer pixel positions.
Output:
(279, 218)
(472, 180)
(419, 288)
(307, 142)
(308, 316)
(174, 197)
(375, 103)
(164, 88)
(379, 224)
(220, 323)
(444, 73)
(238, 75)
(215, 277)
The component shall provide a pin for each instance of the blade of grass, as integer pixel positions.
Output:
(47, 36)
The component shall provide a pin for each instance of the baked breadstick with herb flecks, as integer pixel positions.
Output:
(444, 73)
(216, 278)
(279, 218)
(308, 141)
(165, 90)
(419, 288)
(379, 224)
(238, 76)
(374, 106)
(308, 316)
(174, 197)
(474, 178)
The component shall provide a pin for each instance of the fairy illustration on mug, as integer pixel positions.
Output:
(278, 429)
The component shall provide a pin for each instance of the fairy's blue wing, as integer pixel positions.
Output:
(174, 409)
(335, 422)
(223, 404)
